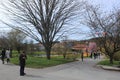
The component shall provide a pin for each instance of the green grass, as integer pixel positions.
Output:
(39, 52)
(15, 53)
(38, 62)
(107, 63)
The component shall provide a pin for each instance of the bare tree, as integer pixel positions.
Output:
(43, 20)
(4, 42)
(15, 39)
(105, 27)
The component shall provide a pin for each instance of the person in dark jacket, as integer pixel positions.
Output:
(3, 55)
(82, 56)
(22, 62)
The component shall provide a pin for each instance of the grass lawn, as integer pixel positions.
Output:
(42, 62)
(107, 63)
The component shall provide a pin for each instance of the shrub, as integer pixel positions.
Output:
(117, 56)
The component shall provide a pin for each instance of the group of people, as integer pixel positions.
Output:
(5, 54)
(95, 54)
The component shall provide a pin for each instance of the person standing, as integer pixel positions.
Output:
(99, 54)
(95, 55)
(82, 56)
(8, 55)
(91, 55)
(22, 62)
(3, 55)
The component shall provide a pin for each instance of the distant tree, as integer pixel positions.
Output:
(105, 27)
(16, 38)
(65, 46)
(25, 46)
(57, 49)
(43, 20)
(4, 42)
(32, 47)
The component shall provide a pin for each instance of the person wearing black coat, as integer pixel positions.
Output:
(22, 62)
(82, 56)
(3, 55)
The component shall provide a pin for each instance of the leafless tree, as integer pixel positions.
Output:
(15, 39)
(43, 20)
(3, 42)
(105, 27)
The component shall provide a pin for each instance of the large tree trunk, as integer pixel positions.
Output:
(111, 59)
(48, 54)
(64, 55)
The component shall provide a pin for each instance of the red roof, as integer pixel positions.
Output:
(79, 46)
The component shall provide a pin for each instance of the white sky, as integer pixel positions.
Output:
(106, 5)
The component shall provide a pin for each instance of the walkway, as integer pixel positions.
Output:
(71, 71)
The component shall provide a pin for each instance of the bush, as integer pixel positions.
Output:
(72, 56)
(117, 56)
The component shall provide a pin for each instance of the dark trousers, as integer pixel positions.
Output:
(2, 58)
(22, 67)
(8, 60)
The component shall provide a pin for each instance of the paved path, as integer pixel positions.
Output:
(71, 71)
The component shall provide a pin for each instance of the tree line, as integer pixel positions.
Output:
(16, 40)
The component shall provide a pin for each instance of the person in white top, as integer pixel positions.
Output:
(8, 55)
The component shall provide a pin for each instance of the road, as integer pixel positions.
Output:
(71, 71)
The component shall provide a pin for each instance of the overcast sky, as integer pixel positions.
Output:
(106, 5)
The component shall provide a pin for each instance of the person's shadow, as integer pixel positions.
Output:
(33, 76)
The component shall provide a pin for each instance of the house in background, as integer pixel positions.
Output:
(81, 48)
(86, 48)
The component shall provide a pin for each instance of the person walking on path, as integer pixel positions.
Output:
(8, 55)
(3, 55)
(99, 54)
(82, 56)
(22, 62)
(95, 55)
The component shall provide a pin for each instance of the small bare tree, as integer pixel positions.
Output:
(105, 27)
(4, 42)
(15, 39)
(42, 20)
